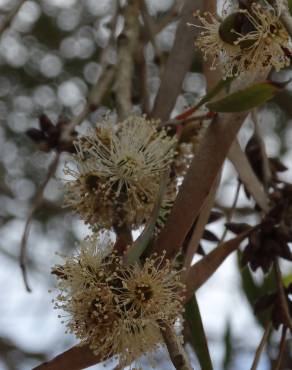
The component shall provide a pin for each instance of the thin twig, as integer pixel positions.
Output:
(202, 270)
(37, 201)
(168, 18)
(200, 226)
(127, 42)
(188, 121)
(95, 97)
(10, 16)
(149, 27)
(178, 63)
(99, 89)
(281, 349)
(145, 37)
(261, 346)
(231, 212)
(283, 300)
(247, 176)
(112, 27)
(176, 351)
(142, 76)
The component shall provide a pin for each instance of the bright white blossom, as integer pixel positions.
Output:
(119, 167)
(152, 291)
(118, 310)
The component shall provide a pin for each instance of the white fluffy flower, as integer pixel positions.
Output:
(119, 167)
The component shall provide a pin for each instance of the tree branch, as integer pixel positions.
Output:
(197, 184)
(200, 272)
(76, 358)
(176, 351)
(127, 42)
(178, 63)
(99, 89)
(282, 349)
(261, 346)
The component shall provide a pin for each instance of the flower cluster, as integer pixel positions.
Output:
(211, 43)
(116, 172)
(117, 309)
(246, 41)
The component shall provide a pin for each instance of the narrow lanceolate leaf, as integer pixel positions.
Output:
(199, 228)
(75, 358)
(290, 6)
(246, 99)
(197, 333)
(202, 270)
(139, 246)
(222, 84)
(210, 95)
(228, 347)
(253, 290)
(247, 175)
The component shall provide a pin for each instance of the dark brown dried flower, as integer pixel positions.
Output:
(272, 302)
(268, 242)
(254, 154)
(49, 136)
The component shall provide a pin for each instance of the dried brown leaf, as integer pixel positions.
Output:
(202, 270)
(247, 176)
(76, 358)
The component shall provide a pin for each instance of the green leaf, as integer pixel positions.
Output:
(253, 291)
(287, 280)
(290, 6)
(139, 246)
(213, 92)
(197, 334)
(228, 347)
(245, 99)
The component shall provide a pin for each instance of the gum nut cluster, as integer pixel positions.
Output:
(117, 310)
(116, 171)
(262, 43)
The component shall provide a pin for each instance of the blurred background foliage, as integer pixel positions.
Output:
(50, 57)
